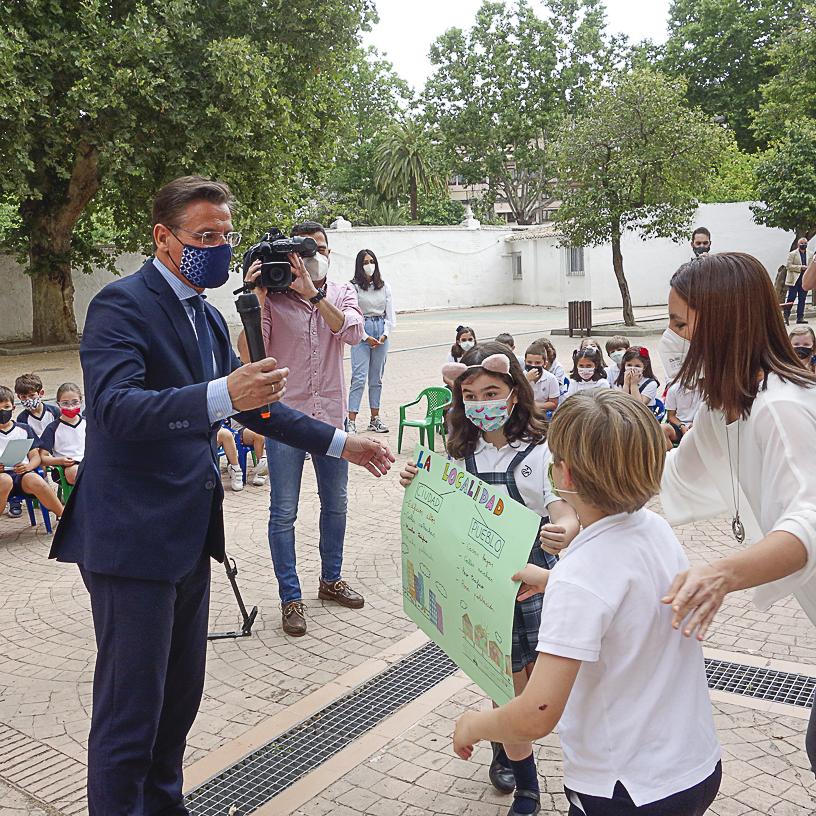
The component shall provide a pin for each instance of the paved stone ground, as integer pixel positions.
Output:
(47, 651)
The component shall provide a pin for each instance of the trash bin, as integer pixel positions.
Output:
(580, 317)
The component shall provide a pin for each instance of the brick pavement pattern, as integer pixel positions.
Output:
(47, 649)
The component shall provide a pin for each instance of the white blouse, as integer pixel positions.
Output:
(771, 470)
(378, 303)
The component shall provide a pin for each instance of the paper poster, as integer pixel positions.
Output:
(461, 541)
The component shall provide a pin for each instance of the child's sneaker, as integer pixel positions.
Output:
(260, 473)
(377, 425)
(15, 508)
(236, 476)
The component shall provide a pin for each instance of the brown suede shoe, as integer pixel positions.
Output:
(341, 592)
(293, 619)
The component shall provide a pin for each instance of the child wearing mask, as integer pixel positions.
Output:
(465, 341)
(616, 347)
(628, 694)
(589, 342)
(497, 434)
(587, 371)
(636, 377)
(804, 340)
(63, 441)
(546, 388)
(21, 479)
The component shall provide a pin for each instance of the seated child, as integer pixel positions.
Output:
(497, 434)
(636, 376)
(616, 347)
(63, 441)
(226, 440)
(553, 366)
(681, 406)
(589, 342)
(803, 341)
(587, 371)
(546, 388)
(506, 339)
(22, 479)
(627, 692)
(38, 415)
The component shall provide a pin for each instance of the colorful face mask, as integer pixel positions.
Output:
(31, 404)
(71, 412)
(488, 415)
(206, 267)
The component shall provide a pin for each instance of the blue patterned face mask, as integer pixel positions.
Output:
(489, 415)
(206, 267)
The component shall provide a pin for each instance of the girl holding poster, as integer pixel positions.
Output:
(498, 435)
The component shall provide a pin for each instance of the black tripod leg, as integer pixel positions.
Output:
(248, 619)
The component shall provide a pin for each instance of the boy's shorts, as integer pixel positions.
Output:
(677, 431)
(16, 484)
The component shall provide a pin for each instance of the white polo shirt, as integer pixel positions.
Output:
(575, 385)
(546, 388)
(683, 402)
(639, 711)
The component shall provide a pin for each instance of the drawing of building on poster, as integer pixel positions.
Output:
(414, 588)
(477, 637)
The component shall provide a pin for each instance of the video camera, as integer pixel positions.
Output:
(276, 271)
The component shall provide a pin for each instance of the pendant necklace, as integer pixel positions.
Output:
(736, 525)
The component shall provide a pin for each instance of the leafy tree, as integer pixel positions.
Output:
(734, 178)
(439, 210)
(637, 161)
(404, 163)
(787, 97)
(501, 91)
(723, 47)
(102, 102)
(786, 184)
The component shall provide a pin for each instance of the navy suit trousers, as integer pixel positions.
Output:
(151, 638)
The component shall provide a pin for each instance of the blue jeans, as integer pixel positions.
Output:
(796, 292)
(368, 362)
(285, 474)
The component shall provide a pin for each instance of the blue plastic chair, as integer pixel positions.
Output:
(243, 450)
(30, 502)
(658, 409)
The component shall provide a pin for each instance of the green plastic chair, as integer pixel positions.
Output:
(64, 487)
(438, 400)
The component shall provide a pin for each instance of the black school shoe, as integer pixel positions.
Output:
(501, 776)
(525, 794)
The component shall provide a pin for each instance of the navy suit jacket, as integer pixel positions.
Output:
(147, 499)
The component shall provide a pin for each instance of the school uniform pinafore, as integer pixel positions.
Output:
(527, 613)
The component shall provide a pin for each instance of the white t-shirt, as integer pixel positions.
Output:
(683, 402)
(612, 375)
(61, 438)
(557, 370)
(639, 711)
(649, 390)
(17, 431)
(547, 388)
(575, 386)
(530, 475)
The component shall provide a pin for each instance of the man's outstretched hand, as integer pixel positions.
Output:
(373, 456)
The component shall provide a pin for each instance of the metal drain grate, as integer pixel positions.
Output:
(765, 684)
(258, 777)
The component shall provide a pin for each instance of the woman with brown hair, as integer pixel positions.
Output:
(743, 455)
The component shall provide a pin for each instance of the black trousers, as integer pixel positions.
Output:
(692, 802)
(151, 639)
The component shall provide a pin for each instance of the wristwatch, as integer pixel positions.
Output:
(321, 293)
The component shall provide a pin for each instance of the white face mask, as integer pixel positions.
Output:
(586, 373)
(369, 270)
(672, 350)
(467, 344)
(637, 369)
(317, 266)
(617, 356)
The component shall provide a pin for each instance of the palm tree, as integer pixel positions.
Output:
(403, 162)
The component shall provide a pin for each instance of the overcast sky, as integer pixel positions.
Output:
(408, 27)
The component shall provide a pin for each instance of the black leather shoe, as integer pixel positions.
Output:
(341, 592)
(501, 776)
(525, 794)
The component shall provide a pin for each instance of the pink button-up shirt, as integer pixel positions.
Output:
(300, 339)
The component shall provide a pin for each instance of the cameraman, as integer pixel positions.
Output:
(305, 329)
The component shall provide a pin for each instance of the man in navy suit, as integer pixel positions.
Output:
(145, 516)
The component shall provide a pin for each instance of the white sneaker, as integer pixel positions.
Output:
(236, 477)
(261, 473)
(351, 427)
(262, 469)
(376, 425)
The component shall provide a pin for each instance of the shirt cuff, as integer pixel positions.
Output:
(219, 404)
(337, 444)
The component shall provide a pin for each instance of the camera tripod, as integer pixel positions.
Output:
(248, 619)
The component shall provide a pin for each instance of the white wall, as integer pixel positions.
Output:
(648, 265)
(455, 267)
